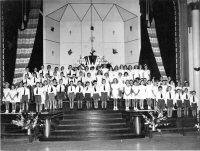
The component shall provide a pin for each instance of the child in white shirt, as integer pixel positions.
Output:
(149, 95)
(25, 97)
(6, 96)
(127, 94)
(186, 104)
(194, 100)
(60, 93)
(13, 98)
(169, 97)
(104, 93)
(79, 94)
(96, 94)
(38, 96)
(142, 94)
(88, 93)
(160, 96)
(51, 96)
(71, 94)
(115, 87)
(179, 102)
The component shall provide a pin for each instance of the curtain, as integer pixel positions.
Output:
(12, 20)
(163, 13)
(25, 42)
(36, 59)
(146, 53)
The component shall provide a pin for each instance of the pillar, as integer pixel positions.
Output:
(196, 47)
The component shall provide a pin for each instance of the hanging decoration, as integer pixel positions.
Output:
(22, 25)
(25, 17)
(92, 38)
(25, 41)
(69, 52)
(115, 51)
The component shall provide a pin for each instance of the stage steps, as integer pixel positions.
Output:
(91, 125)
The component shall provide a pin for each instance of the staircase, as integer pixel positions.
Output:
(91, 125)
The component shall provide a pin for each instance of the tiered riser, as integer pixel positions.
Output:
(91, 125)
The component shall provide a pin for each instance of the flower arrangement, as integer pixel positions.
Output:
(197, 126)
(28, 121)
(153, 122)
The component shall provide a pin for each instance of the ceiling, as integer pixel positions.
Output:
(85, 11)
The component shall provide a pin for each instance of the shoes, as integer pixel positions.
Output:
(6, 111)
(127, 109)
(116, 109)
(149, 108)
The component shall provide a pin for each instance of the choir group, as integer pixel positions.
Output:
(48, 88)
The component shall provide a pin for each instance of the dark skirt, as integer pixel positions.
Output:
(79, 96)
(24, 98)
(38, 99)
(179, 103)
(161, 104)
(186, 103)
(60, 95)
(96, 96)
(104, 96)
(194, 106)
(87, 96)
(170, 103)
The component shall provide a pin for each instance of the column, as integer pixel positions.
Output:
(196, 46)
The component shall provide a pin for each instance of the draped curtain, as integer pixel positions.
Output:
(146, 53)
(25, 42)
(158, 41)
(163, 13)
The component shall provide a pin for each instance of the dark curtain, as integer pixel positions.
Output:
(146, 53)
(12, 22)
(36, 59)
(163, 13)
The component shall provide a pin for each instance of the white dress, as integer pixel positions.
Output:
(99, 79)
(147, 74)
(127, 90)
(149, 92)
(135, 90)
(43, 96)
(115, 91)
(13, 94)
(19, 91)
(155, 91)
(6, 92)
(136, 73)
(142, 93)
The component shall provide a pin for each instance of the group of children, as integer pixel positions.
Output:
(49, 88)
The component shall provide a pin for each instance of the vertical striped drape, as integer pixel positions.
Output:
(155, 47)
(26, 40)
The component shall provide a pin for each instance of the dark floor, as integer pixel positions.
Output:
(164, 142)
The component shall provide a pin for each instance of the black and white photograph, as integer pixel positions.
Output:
(99, 75)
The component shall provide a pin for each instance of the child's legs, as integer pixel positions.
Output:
(95, 103)
(149, 103)
(7, 105)
(194, 113)
(179, 112)
(141, 103)
(127, 103)
(37, 107)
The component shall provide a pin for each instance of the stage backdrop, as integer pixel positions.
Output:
(67, 27)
